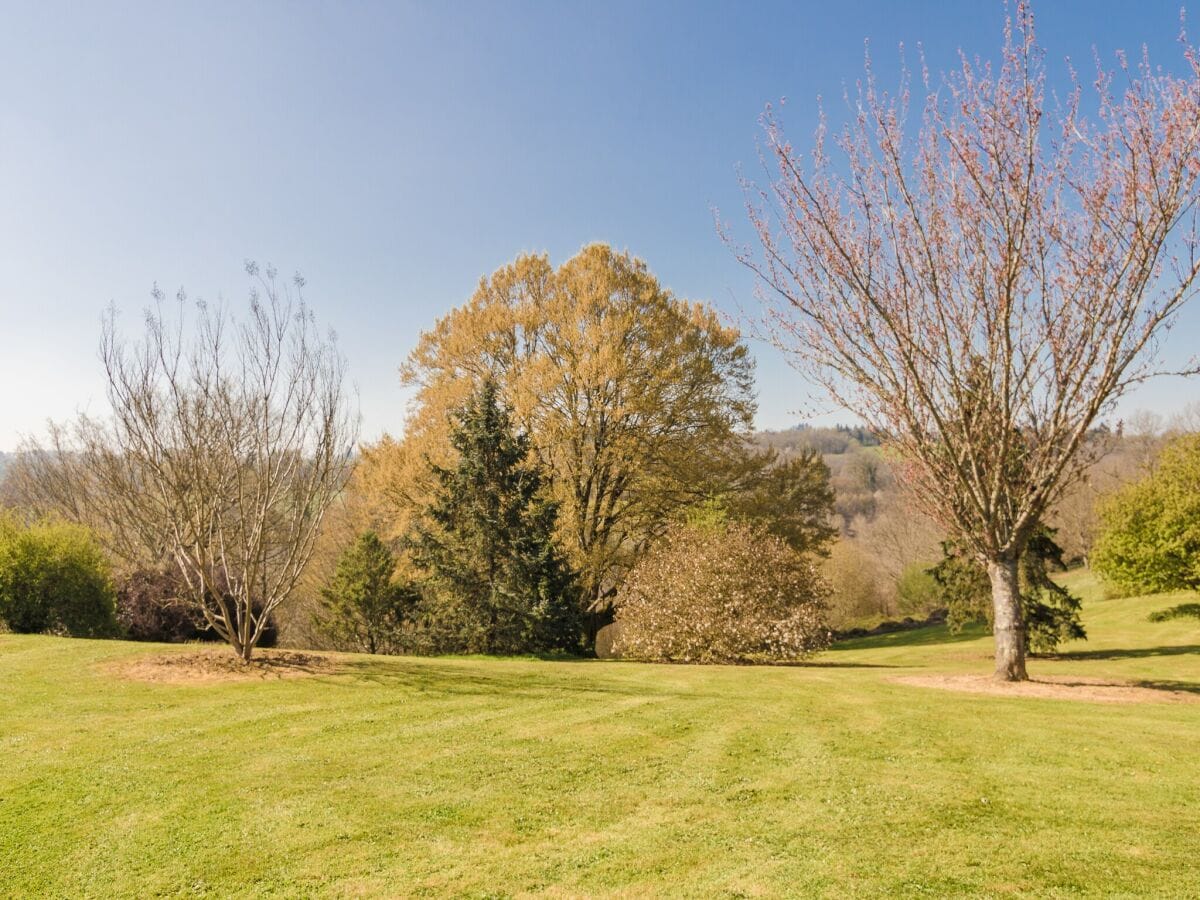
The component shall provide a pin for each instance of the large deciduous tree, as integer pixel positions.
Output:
(983, 286)
(227, 443)
(626, 394)
(791, 498)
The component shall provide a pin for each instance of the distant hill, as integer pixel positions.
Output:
(833, 441)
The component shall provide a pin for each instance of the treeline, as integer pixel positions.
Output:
(571, 425)
(826, 440)
(577, 470)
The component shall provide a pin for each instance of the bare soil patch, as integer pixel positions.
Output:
(220, 665)
(1069, 687)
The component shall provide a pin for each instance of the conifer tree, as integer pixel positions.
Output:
(367, 607)
(1051, 612)
(496, 580)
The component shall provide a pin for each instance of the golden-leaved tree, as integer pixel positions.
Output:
(631, 398)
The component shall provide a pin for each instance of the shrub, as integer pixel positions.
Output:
(149, 607)
(153, 605)
(721, 594)
(1150, 530)
(367, 609)
(54, 578)
(917, 590)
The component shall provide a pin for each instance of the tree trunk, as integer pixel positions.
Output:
(244, 648)
(1008, 623)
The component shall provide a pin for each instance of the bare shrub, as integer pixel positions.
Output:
(723, 594)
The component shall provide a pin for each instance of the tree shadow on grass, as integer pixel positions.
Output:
(1189, 687)
(928, 636)
(429, 676)
(829, 664)
(767, 664)
(1126, 653)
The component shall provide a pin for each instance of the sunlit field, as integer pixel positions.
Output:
(505, 777)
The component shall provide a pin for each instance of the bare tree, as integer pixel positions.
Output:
(1186, 421)
(982, 288)
(227, 443)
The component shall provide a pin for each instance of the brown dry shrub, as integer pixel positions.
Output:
(721, 594)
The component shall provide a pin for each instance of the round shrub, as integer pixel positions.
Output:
(54, 578)
(149, 607)
(153, 605)
(1150, 536)
(724, 594)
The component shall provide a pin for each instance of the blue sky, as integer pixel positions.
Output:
(394, 153)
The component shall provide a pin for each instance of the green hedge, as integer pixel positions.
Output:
(54, 578)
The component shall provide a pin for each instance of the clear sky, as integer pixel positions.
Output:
(396, 152)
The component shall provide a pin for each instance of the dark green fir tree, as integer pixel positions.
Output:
(1051, 612)
(496, 579)
(367, 609)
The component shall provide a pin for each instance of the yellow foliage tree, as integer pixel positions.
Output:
(627, 392)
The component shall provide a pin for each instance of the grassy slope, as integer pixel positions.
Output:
(496, 777)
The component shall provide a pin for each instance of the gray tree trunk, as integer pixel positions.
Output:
(1008, 623)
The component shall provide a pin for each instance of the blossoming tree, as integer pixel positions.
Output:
(981, 286)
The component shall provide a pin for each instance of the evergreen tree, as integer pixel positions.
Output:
(497, 582)
(367, 608)
(1051, 612)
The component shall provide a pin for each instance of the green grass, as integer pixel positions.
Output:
(484, 777)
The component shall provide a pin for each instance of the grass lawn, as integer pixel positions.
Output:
(495, 777)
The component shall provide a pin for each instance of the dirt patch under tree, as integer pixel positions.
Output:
(220, 664)
(1069, 687)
